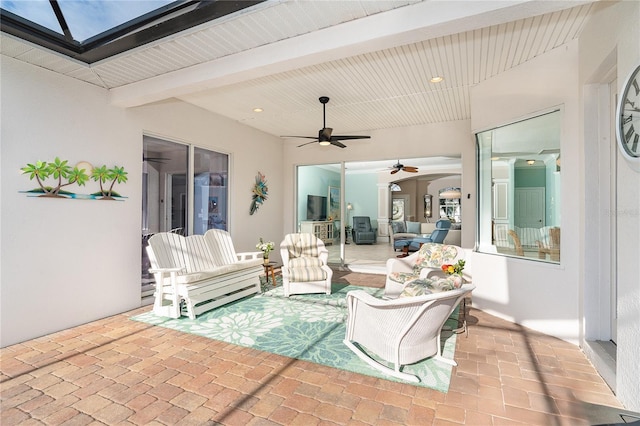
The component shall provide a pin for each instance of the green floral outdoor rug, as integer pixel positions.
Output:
(308, 327)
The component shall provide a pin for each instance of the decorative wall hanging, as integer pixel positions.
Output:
(260, 191)
(334, 203)
(80, 174)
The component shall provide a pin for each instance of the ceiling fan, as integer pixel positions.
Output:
(324, 135)
(155, 159)
(398, 166)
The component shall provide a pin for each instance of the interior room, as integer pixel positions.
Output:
(261, 119)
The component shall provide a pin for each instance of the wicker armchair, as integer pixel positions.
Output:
(400, 331)
(304, 265)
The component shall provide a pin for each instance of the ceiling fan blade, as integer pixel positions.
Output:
(344, 138)
(308, 143)
(406, 169)
(337, 143)
(393, 172)
(325, 134)
(301, 137)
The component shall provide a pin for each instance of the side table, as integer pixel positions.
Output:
(270, 268)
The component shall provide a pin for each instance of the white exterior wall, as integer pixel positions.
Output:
(613, 32)
(542, 296)
(67, 262)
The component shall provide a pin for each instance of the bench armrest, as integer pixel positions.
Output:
(249, 255)
(166, 270)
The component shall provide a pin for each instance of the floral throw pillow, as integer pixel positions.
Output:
(432, 255)
(450, 282)
(402, 277)
(425, 286)
(416, 288)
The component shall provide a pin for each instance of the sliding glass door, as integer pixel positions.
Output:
(184, 190)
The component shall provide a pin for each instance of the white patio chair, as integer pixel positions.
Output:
(304, 265)
(400, 331)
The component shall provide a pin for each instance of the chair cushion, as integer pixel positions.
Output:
(304, 262)
(413, 227)
(306, 274)
(421, 287)
(398, 226)
(416, 288)
(301, 245)
(402, 277)
(433, 255)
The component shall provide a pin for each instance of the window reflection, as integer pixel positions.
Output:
(519, 188)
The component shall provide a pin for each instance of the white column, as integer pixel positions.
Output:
(384, 207)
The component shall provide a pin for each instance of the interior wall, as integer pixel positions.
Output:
(361, 191)
(513, 288)
(314, 181)
(75, 261)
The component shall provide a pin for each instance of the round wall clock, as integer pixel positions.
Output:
(628, 118)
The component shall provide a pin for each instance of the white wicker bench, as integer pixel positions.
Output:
(198, 273)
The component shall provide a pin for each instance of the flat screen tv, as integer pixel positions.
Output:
(316, 207)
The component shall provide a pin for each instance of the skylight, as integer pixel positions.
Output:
(91, 30)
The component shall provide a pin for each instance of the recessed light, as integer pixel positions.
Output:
(258, 110)
(436, 79)
(531, 162)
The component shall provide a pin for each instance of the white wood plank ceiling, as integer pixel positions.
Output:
(370, 88)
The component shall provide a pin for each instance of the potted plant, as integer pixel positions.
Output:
(266, 247)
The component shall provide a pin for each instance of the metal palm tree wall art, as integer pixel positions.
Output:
(64, 176)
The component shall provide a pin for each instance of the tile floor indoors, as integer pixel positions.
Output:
(118, 371)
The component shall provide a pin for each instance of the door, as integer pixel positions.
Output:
(529, 207)
(177, 200)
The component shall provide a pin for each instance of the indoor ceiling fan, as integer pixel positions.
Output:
(325, 137)
(398, 166)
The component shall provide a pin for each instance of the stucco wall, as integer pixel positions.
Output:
(613, 32)
(68, 262)
(541, 296)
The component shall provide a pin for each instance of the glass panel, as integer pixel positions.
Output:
(164, 194)
(210, 182)
(314, 185)
(37, 11)
(87, 19)
(519, 188)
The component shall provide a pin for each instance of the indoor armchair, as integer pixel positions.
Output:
(362, 232)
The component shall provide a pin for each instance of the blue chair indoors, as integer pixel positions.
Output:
(362, 232)
(437, 236)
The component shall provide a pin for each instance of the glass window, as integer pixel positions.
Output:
(210, 182)
(519, 188)
(87, 19)
(36, 11)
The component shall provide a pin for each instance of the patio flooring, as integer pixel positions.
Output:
(119, 371)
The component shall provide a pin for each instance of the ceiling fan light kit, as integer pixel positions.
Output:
(325, 137)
